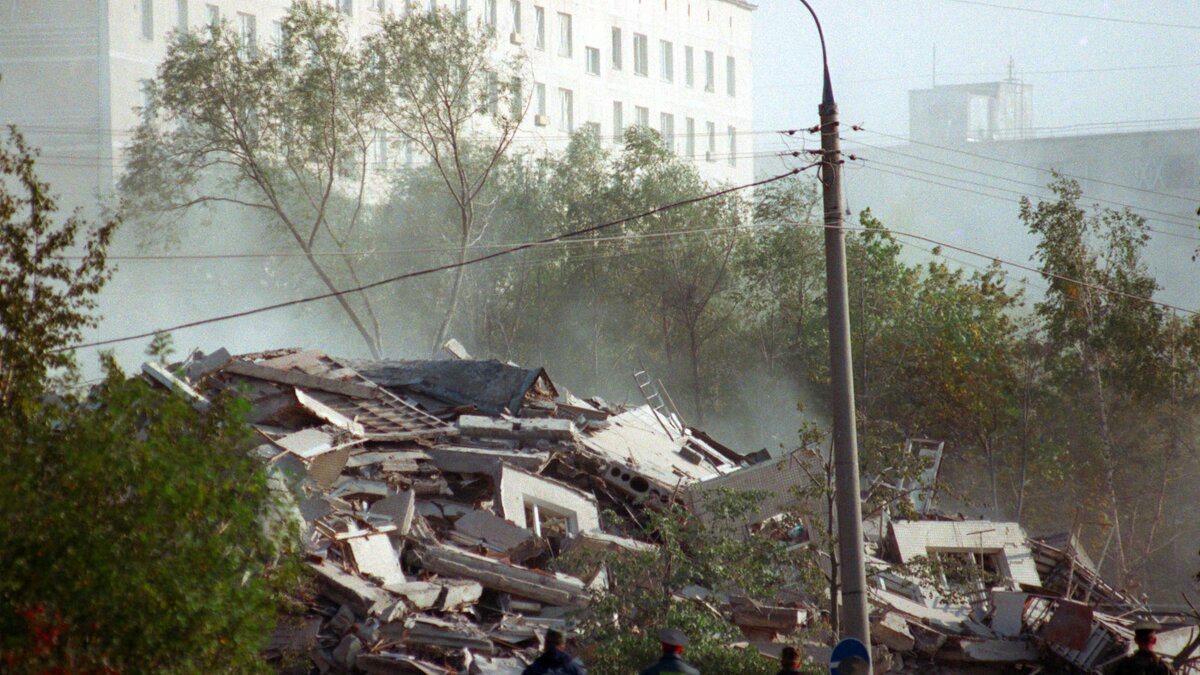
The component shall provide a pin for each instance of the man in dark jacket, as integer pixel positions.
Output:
(553, 660)
(672, 663)
(1143, 661)
(789, 662)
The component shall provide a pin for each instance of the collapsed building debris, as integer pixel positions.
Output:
(433, 496)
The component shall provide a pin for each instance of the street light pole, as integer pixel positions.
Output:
(851, 567)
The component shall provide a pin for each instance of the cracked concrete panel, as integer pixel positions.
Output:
(524, 496)
(375, 557)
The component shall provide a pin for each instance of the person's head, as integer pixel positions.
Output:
(1145, 635)
(790, 658)
(673, 641)
(554, 640)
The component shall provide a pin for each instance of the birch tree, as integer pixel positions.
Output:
(280, 133)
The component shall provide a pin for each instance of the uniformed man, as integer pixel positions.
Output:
(554, 661)
(1143, 661)
(672, 663)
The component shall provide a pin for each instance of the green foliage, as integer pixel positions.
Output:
(45, 299)
(133, 532)
(134, 522)
(619, 632)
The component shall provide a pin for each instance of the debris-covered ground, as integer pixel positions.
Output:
(434, 494)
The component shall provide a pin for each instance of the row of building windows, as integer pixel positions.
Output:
(566, 46)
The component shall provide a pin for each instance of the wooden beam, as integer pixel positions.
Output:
(297, 378)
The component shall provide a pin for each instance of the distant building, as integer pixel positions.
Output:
(985, 111)
(73, 72)
(972, 155)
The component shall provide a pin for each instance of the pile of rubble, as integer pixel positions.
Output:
(435, 495)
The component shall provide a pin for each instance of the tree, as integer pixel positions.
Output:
(1113, 359)
(47, 300)
(440, 87)
(618, 632)
(133, 530)
(283, 137)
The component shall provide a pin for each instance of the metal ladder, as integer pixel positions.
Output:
(655, 393)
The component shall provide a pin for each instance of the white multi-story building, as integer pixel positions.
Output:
(73, 72)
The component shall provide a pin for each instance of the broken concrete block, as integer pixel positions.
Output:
(496, 665)
(1008, 610)
(598, 540)
(431, 631)
(458, 594)
(160, 374)
(420, 594)
(554, 589)
(891, 630)
(545, 500)
(399, 507)
(365, 598)
(345, 654)
(454, 459)
(999, 651)
(202, 366)
(342, 621)
(525, 429)
(389, 663)
(778, 619)
(375, 558)
(500, 535)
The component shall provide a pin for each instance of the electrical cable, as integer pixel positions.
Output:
(1025, 166)
(1160, 219)
(1069, 15)
(442, 268)
(1004, 261)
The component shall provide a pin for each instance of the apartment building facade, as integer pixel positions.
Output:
(73, 72)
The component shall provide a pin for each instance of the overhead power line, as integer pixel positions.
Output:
(1027, 166)
(1163, 216)
(1071, 15)
(442, 268)
(1011, 263)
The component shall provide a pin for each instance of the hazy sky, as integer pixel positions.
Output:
(880, 49)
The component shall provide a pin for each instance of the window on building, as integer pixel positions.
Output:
(666, 125)
(489, 12)
(146, 89)
(539, 98)
(277, 37)
(539, 19)
(347, 7)
(409, 153)
(641, 116)
(732, 146)
(592, 128)
(515, 10)
(247, 33)
(566, 110)
(689, 67)
(565, 38)
(711, 153)
(730, 76)
(148, 19)
(214, 15)
(379, 149)
(181, 15)
(616, 48)
(666, 60)
(517, 101)
(593, 60)
(493, 92)
(461, 6)
(710, 72)
(377, 5)
(618, 121)
(641, 55)
(690, 137)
